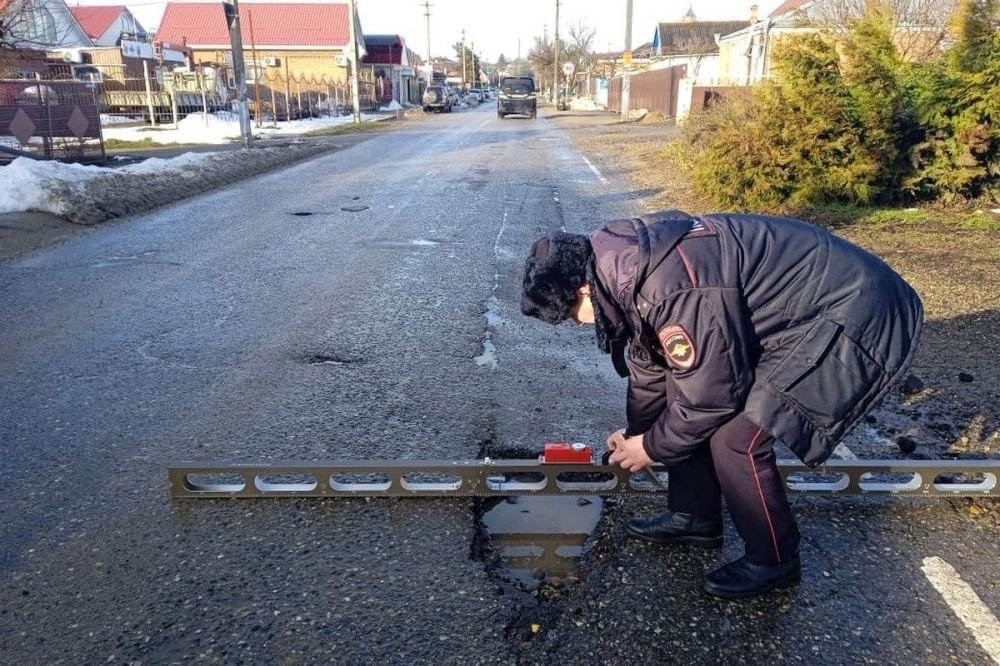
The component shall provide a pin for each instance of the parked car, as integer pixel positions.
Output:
(437, 98)
(478, 93)
(518, 95)
(454, 95)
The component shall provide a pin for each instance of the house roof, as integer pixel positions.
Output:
(383, 40)
(274, 24)
(385, 50)
(692, 37)
(788, 6)
(96, 19)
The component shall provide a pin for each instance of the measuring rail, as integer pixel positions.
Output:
(563, 469)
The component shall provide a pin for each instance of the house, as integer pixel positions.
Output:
(121, 48)
(746, 56)
(41, 24)
(108, 25)
(692, 43)
(394, 68)
(301, 45)
(447, 70)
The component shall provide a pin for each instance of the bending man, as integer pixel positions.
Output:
(740, 331)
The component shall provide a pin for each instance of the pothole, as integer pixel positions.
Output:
(303, 213)
(541, 540)
(533, 542)
(354, 208)
(326, 359)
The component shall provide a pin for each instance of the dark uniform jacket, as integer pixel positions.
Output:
(795, 328)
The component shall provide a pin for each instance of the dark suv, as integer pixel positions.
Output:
(437, 97)
(517, 95)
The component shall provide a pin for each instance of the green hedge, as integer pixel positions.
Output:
(851, 123)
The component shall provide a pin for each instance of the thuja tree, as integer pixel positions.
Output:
(797, 143)
(957, 102)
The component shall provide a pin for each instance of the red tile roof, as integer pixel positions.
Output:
(95, 19)
(274, 24)
(787, 6)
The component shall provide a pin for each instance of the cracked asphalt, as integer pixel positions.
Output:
(193, 333)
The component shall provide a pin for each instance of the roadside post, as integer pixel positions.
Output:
(627, 62)
(232, 11)
(355, 63)
(149, 94)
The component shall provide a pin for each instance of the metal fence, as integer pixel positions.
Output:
(142, 92)
(50, 119)
(656, 91)
(274, 95)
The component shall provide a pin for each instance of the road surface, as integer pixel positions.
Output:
(266, 322)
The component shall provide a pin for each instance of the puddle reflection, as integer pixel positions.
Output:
(541, 539)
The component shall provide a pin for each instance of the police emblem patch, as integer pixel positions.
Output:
(677, 346)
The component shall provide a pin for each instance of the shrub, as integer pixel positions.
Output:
(851, 123)
(957, 103)
(797, 144)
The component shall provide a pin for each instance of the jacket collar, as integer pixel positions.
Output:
(658, 235)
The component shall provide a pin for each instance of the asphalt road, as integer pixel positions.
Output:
(229, 328)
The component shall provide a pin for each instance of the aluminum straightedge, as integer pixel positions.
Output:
(501, 478)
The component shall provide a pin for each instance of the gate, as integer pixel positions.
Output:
(656, 91)
(50, 119)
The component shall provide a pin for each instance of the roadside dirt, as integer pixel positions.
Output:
(950, 407)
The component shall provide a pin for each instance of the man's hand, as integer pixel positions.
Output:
(628, 452)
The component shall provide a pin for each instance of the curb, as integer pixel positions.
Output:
(119, 195)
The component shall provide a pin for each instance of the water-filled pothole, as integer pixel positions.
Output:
(326, 359)
(541, 539)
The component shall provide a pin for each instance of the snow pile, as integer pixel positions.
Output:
(637, 114)
(27, 184)
(110, 119)
(392, 106)
(53, 187)
(579, 104)
(222, 127)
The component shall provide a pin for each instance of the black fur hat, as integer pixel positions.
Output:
(555, 270)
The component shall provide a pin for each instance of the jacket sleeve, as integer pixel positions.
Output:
(705, 335)
(647, 392)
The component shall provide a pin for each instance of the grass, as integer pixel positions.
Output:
(883, 218)
(118, 144)
(350, 128)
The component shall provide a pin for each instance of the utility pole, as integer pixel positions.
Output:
(627, 61)
(555, 65)
(463, 59)
(355, 64)
(232, 11)
(256, 72)
(430, 61)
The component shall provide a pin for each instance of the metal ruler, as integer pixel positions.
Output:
(501, 478)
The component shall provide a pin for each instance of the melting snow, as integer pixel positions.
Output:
(27, 184)
(223, 127)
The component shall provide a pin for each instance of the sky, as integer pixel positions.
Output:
(494, 26)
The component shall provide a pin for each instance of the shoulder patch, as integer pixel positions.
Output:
(677, 346)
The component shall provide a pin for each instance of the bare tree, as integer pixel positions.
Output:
(920, 27)
(541, 57)
(580, 49)
(34, 24)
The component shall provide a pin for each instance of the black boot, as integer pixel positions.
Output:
(741, 578)
(672, 527)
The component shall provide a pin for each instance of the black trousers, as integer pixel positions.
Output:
(739, 462)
